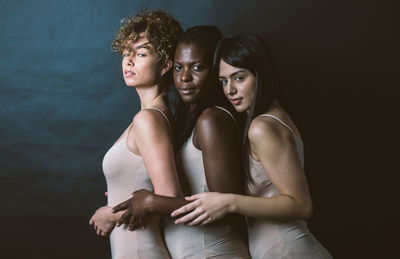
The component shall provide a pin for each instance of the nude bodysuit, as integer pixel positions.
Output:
(125, 172)
(200, 242)
(274, 240)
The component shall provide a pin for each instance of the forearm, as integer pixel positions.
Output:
(282, 208)
(163, 205)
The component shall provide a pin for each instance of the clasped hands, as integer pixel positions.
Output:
(130, 212)
(203, 208)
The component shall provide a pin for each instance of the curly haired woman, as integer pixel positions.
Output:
(143, 157)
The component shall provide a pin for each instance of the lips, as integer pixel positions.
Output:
(129, 73)
(187, 90)
(236, 101)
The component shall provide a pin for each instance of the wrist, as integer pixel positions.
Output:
(116, 216)
(231, 200)
(150, 203)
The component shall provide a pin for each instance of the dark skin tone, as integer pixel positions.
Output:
(216, 135)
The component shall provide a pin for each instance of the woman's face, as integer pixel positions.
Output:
(140, 63)
(239, 85)
(192, 72)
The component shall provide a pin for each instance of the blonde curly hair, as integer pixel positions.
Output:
(160, 28)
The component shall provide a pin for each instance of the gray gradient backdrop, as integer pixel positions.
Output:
(64, 102)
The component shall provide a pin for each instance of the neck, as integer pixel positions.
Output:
(148, 96)
(192, 106)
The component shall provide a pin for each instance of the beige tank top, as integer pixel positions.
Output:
(126, 172)
(275, 239)
(200, 242)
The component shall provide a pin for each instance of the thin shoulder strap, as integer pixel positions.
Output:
(163, 114)
(276, 118)
(230, 114)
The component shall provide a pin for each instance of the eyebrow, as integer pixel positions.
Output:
(143, 46)
(233, 74)
(193, 62)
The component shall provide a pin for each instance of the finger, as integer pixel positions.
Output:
(98, 232)
(140, 224)
(184, 209)
(207, 221)
(106, 194)
(132, 223)
(124, 219)
(103, 233)
(122, 206)
(193, 197)
(95, 227)
(198, 220)
(91, 221)
(189, 217)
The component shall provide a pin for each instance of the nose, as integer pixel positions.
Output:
(186, 75)
(129, 60)
(230, 88)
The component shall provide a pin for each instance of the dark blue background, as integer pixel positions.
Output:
(64, 102)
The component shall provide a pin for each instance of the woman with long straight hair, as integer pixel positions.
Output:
(277, 201)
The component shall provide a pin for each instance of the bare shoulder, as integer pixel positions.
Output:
(268, 130)
(149, 120)
(215, 118)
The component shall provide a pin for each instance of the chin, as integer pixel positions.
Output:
(241, 108)
(129, 82)
(188, 99)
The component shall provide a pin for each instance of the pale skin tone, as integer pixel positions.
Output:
(271, 144)
(150, 135)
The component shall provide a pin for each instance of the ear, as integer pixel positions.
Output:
(166, 66)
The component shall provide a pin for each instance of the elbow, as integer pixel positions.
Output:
(300, 209)
(306, 211)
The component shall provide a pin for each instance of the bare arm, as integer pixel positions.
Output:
(219, 141)
(152, 137)
(218, 138)
(151, 134)
(274, 147)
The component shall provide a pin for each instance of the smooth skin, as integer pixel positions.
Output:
(215, 136)
(272, 144)
(150, 135)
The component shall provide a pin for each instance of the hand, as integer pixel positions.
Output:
(137, 208)
(204, 208)
(103, 220)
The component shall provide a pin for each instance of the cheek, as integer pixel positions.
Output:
(176, 76)
(202, 80)
(225, 89)
(249, 90)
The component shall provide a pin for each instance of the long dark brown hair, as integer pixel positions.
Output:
(252, 53)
